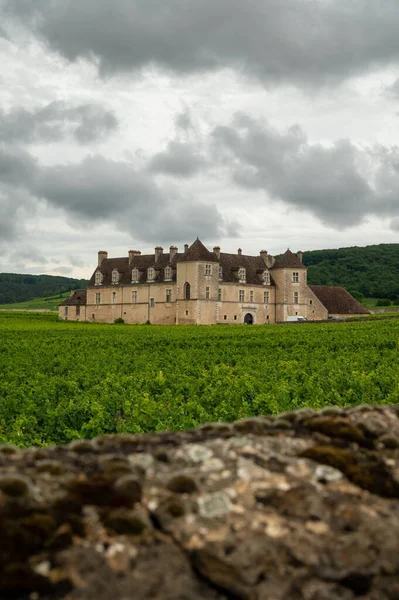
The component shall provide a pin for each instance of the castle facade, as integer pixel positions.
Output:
(203, 287)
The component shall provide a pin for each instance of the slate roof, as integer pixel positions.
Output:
(338, 300)
(78, 298)
(141, 262)
(254, 268)
(288, 260)
(230, 263)
(197, 251)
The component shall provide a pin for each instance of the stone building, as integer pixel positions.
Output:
(201, 287)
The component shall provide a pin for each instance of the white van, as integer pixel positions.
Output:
(296, 319)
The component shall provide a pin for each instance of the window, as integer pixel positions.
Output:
(251, 296)
(134, 297)
(295, 277)
(168, 274)
(208, 269)
(296, 298)
(225, 317)
(242, 275)
(152, 302)
(150, 274)
(266, 297)
(219, 294)
(207, 293)
(115, 276)
(98, 278)
(235, 317)
(220, 272)
(310, 302)
(168, 295)
(135, 275)
(66, 311)
(187, 291)
(241, 296)
(113, 297)
(266, 277)
(77, 310)
(98, 299)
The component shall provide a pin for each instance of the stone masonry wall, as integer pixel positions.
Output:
(304, 506)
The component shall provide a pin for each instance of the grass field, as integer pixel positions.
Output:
(49, 303)
(62, 380)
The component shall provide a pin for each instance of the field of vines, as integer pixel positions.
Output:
(61, 381)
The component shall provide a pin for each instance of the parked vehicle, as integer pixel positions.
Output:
(296, 319)
(332, 318)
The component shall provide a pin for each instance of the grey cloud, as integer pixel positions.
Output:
(395, 224)
(340, 184)
(17, 173)
(101, 190)
(181, 159)
(56, 121)
(300, 41)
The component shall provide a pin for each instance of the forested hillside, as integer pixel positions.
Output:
(19, 288)
(371, 270)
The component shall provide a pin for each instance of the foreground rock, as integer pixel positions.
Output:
(301, 507)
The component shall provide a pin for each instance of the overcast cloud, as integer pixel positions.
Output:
(301, 41)
(56, 121)
(254, 123)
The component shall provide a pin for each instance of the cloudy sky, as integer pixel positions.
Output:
(264, 124)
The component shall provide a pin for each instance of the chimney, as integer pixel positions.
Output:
(102, 255)
(216, 250)
(172, 252)
(263, 254)
(158, 253)
(185, 248)
(239, 251)
(132, 254)
(299, 255)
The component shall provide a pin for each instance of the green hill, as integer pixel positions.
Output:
(371, 271)
(16, 288)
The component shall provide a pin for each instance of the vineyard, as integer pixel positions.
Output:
(61, 380)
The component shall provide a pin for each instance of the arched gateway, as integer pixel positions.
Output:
(248, 319)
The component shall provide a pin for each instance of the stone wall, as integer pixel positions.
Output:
(303, 506)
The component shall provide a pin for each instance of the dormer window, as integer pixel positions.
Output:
(98, 278)
(266, 277)
(242, 275)
(135, 275)
(150, 274)
(115, 276)
(221, 273)
(208, 269)
(168, 274)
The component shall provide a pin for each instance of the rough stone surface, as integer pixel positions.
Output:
(250, 510)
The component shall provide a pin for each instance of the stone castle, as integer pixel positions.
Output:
(201, 287)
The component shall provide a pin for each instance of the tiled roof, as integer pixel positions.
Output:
(254, 267)
(141, 262)
(77, 298)
(198, 251)
(338, 301)
(288, 260)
